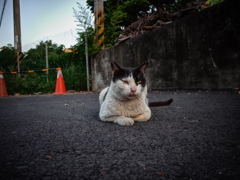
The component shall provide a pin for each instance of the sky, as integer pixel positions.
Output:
(41, 20)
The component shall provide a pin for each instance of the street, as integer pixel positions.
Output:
(62, 137)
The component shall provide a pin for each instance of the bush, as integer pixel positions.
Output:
(30, 83)
(74, 78)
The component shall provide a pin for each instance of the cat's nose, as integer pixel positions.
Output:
(133, 90)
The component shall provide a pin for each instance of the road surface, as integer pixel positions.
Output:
(61, 137)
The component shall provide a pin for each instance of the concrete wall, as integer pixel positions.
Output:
(199, 51)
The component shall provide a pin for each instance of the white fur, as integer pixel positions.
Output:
(121, 105)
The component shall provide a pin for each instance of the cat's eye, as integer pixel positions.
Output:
(139, 82)
(125, 82)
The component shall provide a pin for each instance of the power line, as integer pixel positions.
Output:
(2, 12)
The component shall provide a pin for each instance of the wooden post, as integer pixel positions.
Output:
(17, 30)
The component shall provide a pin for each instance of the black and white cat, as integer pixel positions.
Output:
(124, 101)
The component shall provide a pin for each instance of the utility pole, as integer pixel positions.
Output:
(99, 22)
(17, 31)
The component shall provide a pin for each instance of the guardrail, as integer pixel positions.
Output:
(31, 71)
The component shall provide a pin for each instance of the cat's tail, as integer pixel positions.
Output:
(160, 103)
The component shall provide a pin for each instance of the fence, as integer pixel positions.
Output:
(67, 38)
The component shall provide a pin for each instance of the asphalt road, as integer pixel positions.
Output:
(61, 137)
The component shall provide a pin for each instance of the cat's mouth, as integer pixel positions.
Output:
(132, 95)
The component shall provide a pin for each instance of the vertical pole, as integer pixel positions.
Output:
(18, 63)
(86, 52)
(99, 22)
(17, 30)
(46, 51)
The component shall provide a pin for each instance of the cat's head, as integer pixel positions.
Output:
(128, 83)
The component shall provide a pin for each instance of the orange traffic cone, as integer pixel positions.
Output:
(3, 89)
(60, 86)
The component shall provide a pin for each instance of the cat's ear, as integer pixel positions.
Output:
(115, 67)
(142, 68)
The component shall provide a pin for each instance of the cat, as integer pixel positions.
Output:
(124, 101)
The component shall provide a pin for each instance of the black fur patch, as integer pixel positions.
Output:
(121, 73)
(139, 77)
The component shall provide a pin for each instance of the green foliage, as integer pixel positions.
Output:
(30, 83)
(35, 58)
(7, 58)
(112, 22)
(118, 14)
(73, 67)
(75, 77)
(134, 9)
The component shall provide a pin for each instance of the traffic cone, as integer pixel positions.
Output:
(60, 86)
(3, 89)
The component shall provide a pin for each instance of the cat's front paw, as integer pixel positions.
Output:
(124, 121)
